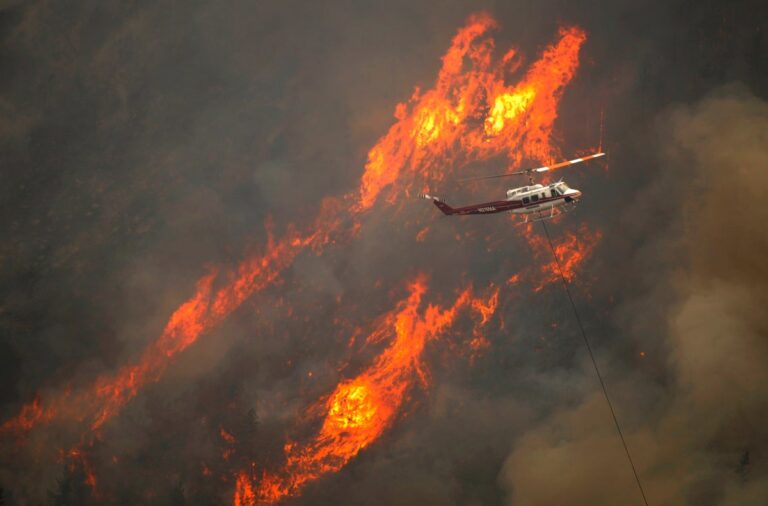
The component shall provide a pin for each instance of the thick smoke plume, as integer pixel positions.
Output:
(704, 443)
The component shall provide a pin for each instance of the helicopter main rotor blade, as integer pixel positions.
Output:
(569, 162)
(538, 169)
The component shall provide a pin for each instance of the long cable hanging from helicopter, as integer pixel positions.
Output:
(594, 364)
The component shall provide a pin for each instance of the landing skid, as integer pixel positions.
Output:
(553, 212)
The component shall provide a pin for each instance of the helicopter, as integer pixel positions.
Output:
(534, 202)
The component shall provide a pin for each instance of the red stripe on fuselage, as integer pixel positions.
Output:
(498, 206)
(501, 206)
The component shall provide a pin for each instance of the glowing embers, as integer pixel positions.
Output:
(471, 113)
(360, 409)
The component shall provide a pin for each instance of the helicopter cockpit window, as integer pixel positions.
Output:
(554, 192)
(563, 187)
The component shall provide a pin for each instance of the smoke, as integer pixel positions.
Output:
(144, 144)
(704, 442)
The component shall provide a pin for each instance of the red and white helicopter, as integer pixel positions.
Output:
(535, 202)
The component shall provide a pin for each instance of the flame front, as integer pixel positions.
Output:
(244, 493)
(205, 309)
(208, 307)
(471, 113)
(362, 408)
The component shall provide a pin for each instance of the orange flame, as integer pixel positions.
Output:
(244, 493)
(76, 459)
(205, 309)
(362, 408)
(226, 436)
(435, 130)
(30, 415)
(471, 114)
(485, 309)
(571, 251)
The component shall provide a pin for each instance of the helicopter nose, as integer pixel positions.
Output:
(572, 195)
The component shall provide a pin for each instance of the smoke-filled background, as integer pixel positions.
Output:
(144, 145)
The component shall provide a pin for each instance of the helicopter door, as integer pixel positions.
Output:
(526, 201)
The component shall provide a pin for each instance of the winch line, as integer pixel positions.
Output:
(594, 364)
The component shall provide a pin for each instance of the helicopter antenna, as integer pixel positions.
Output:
(530, 172)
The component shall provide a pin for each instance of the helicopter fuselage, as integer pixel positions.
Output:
(532, 199)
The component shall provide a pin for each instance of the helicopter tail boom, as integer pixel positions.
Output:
(444, 208)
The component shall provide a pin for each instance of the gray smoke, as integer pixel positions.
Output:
(142, 144)
(703, 442)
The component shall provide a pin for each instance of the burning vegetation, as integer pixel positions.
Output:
(472, 113)
(360, 409)
(481, 106)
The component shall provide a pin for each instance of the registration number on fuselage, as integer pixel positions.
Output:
(486, 209)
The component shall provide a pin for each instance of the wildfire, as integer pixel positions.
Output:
(486, 309)
(472, 113)
(435, 130)
(571, 252)
(507, 107)
(226, 436)
(362, 408)
(76, 460)
(205, 309)
(30, 415)
(244, 493)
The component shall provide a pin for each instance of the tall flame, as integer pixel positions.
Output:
(469, 114)
(362, 408)
(472, 114)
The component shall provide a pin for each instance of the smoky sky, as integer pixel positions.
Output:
(143, 144)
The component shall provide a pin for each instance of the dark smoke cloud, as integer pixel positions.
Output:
(143, 143)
